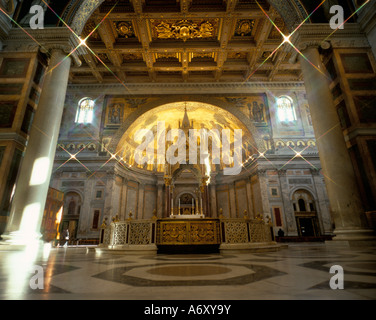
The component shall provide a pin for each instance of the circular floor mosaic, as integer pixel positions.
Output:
(188, 271)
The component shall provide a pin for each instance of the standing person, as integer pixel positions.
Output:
(66, 237)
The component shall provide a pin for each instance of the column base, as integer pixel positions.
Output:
(251, 247)
(353, 237)
(20, 241)
(128, 249)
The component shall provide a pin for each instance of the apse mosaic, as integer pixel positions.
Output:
(118, 109)
(254, 107)
(200, 116)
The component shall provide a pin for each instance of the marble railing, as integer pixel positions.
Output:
(144, 234)
(128, 233)
(242, 231)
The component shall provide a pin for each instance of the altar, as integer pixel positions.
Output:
(181, 231)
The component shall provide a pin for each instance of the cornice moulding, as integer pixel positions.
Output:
(316, 34)
(186, 88)
(47, 39)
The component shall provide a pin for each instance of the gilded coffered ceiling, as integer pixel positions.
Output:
(185, 41)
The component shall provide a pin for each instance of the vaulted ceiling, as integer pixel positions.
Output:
(185, 41)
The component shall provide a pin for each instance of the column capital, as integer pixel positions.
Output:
(261, 172)
(204, 180)
(320, 35)
(110, 172)
(325, 45)
(65, 48)
(141, 186)
(47, 40)
(167, 180)
(350, 36)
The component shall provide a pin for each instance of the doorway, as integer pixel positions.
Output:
(305, 214)
(306, 226)
(72, 210)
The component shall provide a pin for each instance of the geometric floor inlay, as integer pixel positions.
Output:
(188, 271)
(229, 274)
(296, 272)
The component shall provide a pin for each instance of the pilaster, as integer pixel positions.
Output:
(288, 212)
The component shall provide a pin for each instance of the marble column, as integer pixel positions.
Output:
(251, 214)
(233, 211)
(288, 214)
(168, 197)
(213, 200)
(322, 205)
(35, 172)
(116, 195)
(141, 198)
(123, 205)
(263, 182)
(160, 201)
(205, 196)
(345, 202)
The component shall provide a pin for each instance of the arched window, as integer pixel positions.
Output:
(72, 203)
(286, 110)
(303, 201)
(85, 111)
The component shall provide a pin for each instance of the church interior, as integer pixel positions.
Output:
(195, 148)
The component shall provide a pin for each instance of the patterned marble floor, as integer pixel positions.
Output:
(299, 272)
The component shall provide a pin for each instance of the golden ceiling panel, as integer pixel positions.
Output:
(124, 29)
(137, 56)
(237, 55)
(214, 37)
(244, 28)
(202, 56)
(168, 57)
(267, 55)
(104, 57)
(274, 33)
(88, 29)
(184, 29)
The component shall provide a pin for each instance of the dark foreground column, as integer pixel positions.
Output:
(345, 203)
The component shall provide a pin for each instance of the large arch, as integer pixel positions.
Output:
(232, 109)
